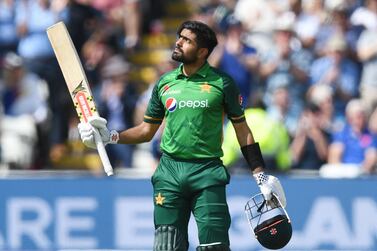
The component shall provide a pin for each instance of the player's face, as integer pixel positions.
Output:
(186, 48)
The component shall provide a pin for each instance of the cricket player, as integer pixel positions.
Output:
(192, 99)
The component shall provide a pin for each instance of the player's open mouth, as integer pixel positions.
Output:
(178, 50)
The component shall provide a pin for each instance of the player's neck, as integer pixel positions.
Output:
(190, 69)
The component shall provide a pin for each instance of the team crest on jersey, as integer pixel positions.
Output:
(171, 104)
(159, 199)
(205, 87)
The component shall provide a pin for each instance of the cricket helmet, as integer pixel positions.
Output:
(269, 221)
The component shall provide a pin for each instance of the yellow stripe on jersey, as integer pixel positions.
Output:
(152, 120)
(238, 119)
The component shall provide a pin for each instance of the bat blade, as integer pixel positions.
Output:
(72, 70)
(76, 80)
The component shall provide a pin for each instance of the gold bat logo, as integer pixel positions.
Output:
(78, 89)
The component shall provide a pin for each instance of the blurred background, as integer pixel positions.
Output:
(307, 72)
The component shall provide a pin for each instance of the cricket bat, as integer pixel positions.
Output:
(76, 81)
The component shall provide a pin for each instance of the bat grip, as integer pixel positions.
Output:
(103, 155)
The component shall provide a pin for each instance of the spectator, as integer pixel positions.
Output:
(81, 20)
(373, 122)
(338, 71)
(338, 22)
(366, 15)
(258, 18)
(310, 144)
(354, 144)
(308, 22)
(95, 52)
(272, 137)
(281, 109)
(367, 53)
(24, 101)
(286, 63)
(8, 32)
(117, 104)
(322, 97)
(237, 59)
(259, 15)
(33, 17)
(126, 16)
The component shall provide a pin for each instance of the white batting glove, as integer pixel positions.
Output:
(270, 185)
(96, 127)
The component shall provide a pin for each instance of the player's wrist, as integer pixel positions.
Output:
(114, 137)
(258, 170)
(253, 157)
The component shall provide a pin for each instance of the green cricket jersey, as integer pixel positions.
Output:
(194, 108)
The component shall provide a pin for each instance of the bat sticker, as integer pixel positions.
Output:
(78, 89)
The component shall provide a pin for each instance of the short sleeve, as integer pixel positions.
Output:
(233, 101)
(364, 40)
(338, 136)
(155, 110)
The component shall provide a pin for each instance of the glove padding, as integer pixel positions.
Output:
(96, 128)
(270, 185)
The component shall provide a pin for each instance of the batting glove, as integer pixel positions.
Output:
(270, 185)
(96, 127)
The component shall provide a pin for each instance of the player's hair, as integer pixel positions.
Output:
(205, 36)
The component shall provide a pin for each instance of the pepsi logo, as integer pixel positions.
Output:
(171, 104)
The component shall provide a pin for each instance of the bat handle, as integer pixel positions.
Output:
(103, 155)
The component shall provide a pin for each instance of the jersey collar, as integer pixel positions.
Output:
(203, 71)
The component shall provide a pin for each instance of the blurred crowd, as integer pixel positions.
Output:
(306, 70)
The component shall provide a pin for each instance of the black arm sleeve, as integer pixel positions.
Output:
(253, 155)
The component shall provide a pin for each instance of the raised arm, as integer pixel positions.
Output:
(142, 133)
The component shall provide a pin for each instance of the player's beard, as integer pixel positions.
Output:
(179, 56)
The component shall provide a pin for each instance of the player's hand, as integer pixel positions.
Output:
(270, 185)
(96, 128)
